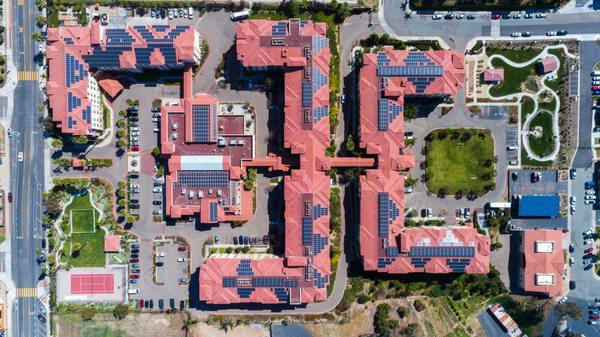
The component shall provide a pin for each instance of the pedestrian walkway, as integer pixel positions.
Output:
(26, 292)
(28, 76)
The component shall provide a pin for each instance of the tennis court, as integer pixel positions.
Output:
(92, 284)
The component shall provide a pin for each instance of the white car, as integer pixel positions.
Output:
(589, 202)
(590, 192)
(161, 254)
(135, 128)
(20, 156)
(588, 242)
(135, 133)
(540, 15)
(135, 186)
(590, 197)
(562, 300)
(41, 48)
(157, 190)
(155, 120)
(588, 232)
(573, 209)
(595, 82)
(429, 213)
(460, 15)
(516, 34)
(551, 33)
(436, 16)
(181, 259)
(517, 16)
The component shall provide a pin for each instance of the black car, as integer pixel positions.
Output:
(146, 304)
(515, 176)
(134, 256)
(235, 240)
(134, 206)
(135, 251)
(246, 240)
(161, 304)
(151, 304)
(449, 16)
(159, 264)
(506, 16)
(156, 202)
(265, 239)
(561, 33)
(241, 239)
(572, 285)
(172, 303)
(526, 34)
(133, 119)
(181, 305)
(134, 201)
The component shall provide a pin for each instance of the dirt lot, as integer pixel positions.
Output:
(134, 325)
(204, 330)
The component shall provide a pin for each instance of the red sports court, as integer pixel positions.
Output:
(92, 284)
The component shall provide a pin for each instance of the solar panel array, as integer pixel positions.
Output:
(320, 281)
(319, 211)
(73, 102)
(213, 211)
(319, 80)
(405, 71)
(421, 83)
(458, 265)
(419, 262)
(118, 37)
(202, 179)
(270, 282)
(319, 43)
(279, 29)
(244, 268)
(307, 230)
(392, 251)
(387, 112)
(281, 293)
(383, 203)
(383, 262)
(86, 114)
(319, 113)
(418, 58)
(71, 122)
(75, 70)
(306, 94)
(68, 41)
(201, 123)
(245, 292)
(319, 243)
(229, 282)
(161, 28)
(442, 251)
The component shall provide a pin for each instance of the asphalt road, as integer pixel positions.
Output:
(27, 177)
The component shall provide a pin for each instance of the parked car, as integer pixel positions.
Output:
(135, 251)
(572, 285)
(506, 16)
(135, 270)
(159, 264)
(540, 15)
(573, 173)
(10, 197)
(429, 212)
(151, 304)
(134, 256)
(182, 248)
(471, 17)
(182, 280)
(161, 304)
(571, 261)
(590, 197)
(528, 16)
(588, 242)
(156, 212)
(141, 303)
(551, 33)
(134, 206)
(436, 16)
(157, 190)
(589, 250)
(156, 202)
(133, 276)
(516, 34)
(235, 240)
(265, 239)
(181, 259)
(495, 16)
(181, 305)
(573, 199)
(526, 34)
(133, 281)
(517, 16)
(561, 33)
(246, 240)
(161, 254)
(134, 260)
(172, 303)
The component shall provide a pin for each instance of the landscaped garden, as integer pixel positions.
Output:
(513, 78)
(541, 139)
(459, 161)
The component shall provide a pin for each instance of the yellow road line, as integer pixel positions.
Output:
(28, 75)
(26, 292)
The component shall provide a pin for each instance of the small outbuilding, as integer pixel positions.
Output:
(112, 243)
(547, 64)
(493, 76)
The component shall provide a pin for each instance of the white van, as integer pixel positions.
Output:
(133, 291)
(240, 15)
(190, 12)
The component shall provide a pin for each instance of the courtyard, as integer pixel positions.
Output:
(459, 161)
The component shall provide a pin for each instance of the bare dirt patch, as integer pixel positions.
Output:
(204, 330)
(134, 325)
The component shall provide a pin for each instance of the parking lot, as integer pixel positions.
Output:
(549, 183)
(512, 144)
(172, 265)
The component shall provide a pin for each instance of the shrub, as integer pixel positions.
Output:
(419, 305)
(87, 313)
(402, 311)
(121, 311)
(362, 298)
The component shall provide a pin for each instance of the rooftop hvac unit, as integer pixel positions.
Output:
(174, 136)
(219, 193)
(210, 191)
(191, 194)
(183, 191)
(175, 126)
(200, 194)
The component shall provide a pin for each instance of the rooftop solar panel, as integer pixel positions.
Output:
(201, 123)
(442, 251)
(384, 214)
(202, 179)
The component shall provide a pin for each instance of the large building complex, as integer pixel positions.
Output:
(300, 49)
(79, 58)
(542, 262)
(205, 151)
(386, 80)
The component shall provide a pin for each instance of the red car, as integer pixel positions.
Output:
(141, 303)
(589, 250)
(594, 317)
(495, 16)
(182, 248)
(134, 260)
(135, 148)
(596, 87)
(133, 276)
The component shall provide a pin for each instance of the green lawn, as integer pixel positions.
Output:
(513, 77)
(459, 160)
(460, 332)
(82, 214)
(527, 106)
(550, 106)
(92, 252)
(525, 161)
(544, 145)
(527, 317)
(518, 56)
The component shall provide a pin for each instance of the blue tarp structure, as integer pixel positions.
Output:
(539, 206)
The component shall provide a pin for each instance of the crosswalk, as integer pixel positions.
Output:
(21, 2)
(28, 75)
(26, 292)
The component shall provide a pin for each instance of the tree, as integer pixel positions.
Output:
(419, 305)
(79, 139)
(121, 143)
(381, 319)
(87, 313)
(37, 36)
(570, 309)
(402, 311)
(57, 143)
(121, 123)
(156, 151)
(245, 249)
(40, 3)
(122, 202)
(350, 145)
(122, 113)
(53, 206)
(130, 218)
(292, 9)
(41, 20)
(121, 311)
(129, 102)
(411, 112)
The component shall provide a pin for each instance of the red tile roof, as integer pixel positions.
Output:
(385, 79)
(493, 75)
(549, 63)
(76, 53)
(543, 261)
(299, 48)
